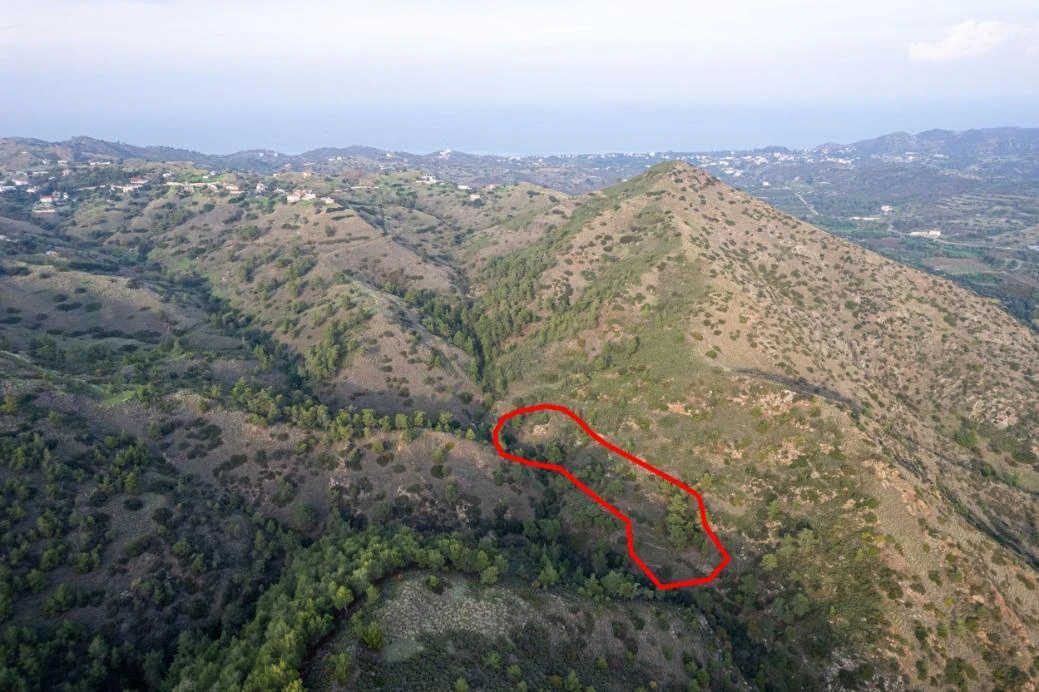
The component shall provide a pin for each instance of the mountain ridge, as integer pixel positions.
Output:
(786, 303)
(861, 432)
(1006, 140)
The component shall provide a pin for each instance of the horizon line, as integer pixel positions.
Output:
(493, 154)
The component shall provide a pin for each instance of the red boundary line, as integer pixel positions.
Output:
(610, 508)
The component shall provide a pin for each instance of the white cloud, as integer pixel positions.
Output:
(971, 39)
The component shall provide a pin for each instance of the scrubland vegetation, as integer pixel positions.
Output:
(244, 444)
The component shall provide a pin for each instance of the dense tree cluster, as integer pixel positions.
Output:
(63, 504)
(317, 586)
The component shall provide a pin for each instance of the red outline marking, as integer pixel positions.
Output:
(663, 586)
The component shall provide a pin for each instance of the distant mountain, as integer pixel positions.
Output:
(325, 153)
(997, 141)
(18, 152)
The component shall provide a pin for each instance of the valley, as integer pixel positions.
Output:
(247, 414)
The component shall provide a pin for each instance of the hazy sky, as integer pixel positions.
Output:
(511, 77)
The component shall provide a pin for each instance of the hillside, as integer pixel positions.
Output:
(258, 409)
(956, 204)
(798, 378)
